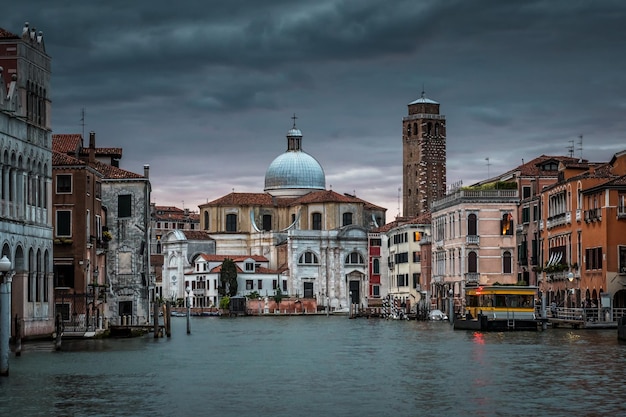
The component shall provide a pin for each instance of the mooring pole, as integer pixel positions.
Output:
(18, 336)
(59, 331)
(167, 319)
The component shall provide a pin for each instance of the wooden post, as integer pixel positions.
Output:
(167, 319)
(18, 336)
(59, 331)
(155, 311)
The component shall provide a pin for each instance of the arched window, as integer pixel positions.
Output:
(308, 258)
(472, 225)
(506, 262)
(231, 222)
(316, 221)
(376, 266)
(429, 128)
(472, 262)
(354, 258)
(414, 129)
(206, 220)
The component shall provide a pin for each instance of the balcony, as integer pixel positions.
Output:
(579, 215)
(558, 220)
(472, 240)
(540, 224)
(593, 215)
(437, 279)
(472, 278)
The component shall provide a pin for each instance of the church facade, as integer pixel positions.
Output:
(317, 238)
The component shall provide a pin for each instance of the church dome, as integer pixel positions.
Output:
(294, 173)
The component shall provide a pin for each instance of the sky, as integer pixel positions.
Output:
(203, 91)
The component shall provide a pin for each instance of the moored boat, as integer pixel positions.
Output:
(499, 308)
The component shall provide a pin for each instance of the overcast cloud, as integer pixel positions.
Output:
(203, 91)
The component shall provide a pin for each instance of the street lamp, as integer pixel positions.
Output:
(5, 314)
(451, 308)
(188, 291)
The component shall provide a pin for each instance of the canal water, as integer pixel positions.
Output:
(322, 366)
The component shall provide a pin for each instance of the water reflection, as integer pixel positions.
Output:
(321, 366)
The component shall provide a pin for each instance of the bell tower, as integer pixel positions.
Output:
(423, 156)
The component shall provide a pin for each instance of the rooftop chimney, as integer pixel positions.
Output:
(146, 171)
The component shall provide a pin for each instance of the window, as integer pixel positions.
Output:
(259, 284)
(416, 279)
(249, 266)
(375, 242)
(403, 280)
(593, 258)
(64, 184)
(401, 258)
(206, 220)
(64, 276)
(376, 290)
(64, 310)
(417, 236)
(64, 223)
(525, 215)
(506, 262)
(308, 290)
(267, 222)
(354, 258)
(98, 189)
(231, 222)
(526, 192)
(376, 266)
(249, 285)
(124, 205)
(308, 258)
(285, 286)
(507, 224)
(471, 225)
(417, 257)
(316, 221)
(347, 219)
(472, 262)
(622, 259)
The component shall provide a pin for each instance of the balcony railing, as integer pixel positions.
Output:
(472, 277)
(472, 240)
(593, 215)
(579, 215)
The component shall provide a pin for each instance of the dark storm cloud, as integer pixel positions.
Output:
(203, 90)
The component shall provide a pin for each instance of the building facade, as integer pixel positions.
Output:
(583, 236)
(25, 180)
(473, 242)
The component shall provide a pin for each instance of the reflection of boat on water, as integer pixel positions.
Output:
(499, 307)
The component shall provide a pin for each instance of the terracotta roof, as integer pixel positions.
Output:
(243, 199)
(196, 235)
(70, 142)
(61, 159)
(5, 34)
(424, 218)
(532, 168)
(265, 199)
(173, 213)
(235, 258)
(115, 173)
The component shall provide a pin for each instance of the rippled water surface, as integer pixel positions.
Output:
(322, 366)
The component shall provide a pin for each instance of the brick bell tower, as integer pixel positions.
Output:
(423, 156)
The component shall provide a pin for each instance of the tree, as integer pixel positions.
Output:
(228, 278)
(278, 297)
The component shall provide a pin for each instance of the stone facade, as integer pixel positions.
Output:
(25, 170)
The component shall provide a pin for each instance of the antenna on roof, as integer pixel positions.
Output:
(488, 165)
(82, 121)
(580, 146)
(570, 149)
